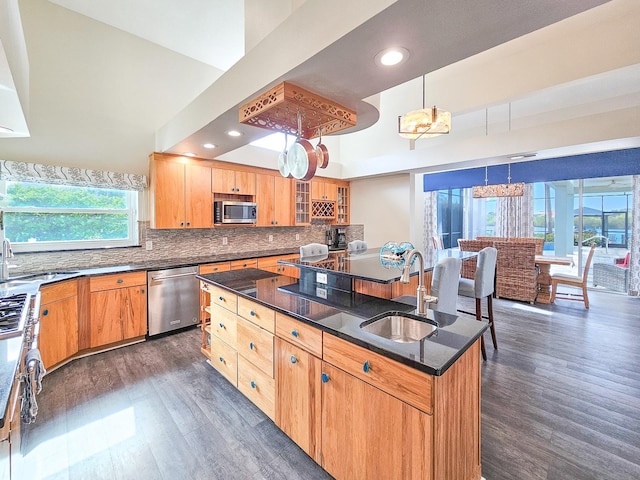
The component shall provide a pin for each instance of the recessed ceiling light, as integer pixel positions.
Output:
(520, 157)
(189, 154)
(209, 145)
(234, 133)
(392, 56)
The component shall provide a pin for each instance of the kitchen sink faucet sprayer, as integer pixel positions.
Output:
(7, 253)
(421, 291)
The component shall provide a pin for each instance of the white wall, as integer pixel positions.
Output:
(383, 206)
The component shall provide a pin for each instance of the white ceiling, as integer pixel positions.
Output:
(109, 82)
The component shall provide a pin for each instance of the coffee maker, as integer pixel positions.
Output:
(340, 237)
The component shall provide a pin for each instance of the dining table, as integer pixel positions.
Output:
(544, 262)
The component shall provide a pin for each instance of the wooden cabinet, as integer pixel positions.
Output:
(118, 308)
(298, 402)
(180, 193)
(324, 191)
(273, 195)
(302, 203)
(342, 205)
(246, 263)
(10, 434)
(372, 434)
(204, 295)
(240, 345)
(58, 339)
(270, 264)
(234, 182)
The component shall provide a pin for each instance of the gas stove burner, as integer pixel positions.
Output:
(13, 314)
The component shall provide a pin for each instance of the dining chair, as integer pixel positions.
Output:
(482, 286)
(357, 246)
(573, 281)
(444, 285)
(314, 250)
(436, 242)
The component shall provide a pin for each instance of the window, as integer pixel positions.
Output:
(450, 216)
(40, 216)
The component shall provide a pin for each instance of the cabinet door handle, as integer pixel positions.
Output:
(253, 384)
(188, 224)
(221, 325)
(295, 333)
(142, 290)
(221, 359)
(252, 313)
(324, 377)
(294, 359)
(366, 366)
(182, 224)
(45, 312)
(221, 298)
(251, 345)
(120, 280)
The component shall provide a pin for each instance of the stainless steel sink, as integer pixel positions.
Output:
(400, 327)
(31, 278)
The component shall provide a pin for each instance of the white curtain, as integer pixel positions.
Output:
(634, 263)
(514, 215)
(80, 177)
(430, 219)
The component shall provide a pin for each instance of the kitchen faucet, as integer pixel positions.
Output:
(421, 291)
(7, 253)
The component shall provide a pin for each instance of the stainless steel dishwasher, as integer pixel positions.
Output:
(173, 300)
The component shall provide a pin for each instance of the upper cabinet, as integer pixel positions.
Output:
(342, 214)
(233, 182)
(273, 195)
(180, 193)
(324, 191)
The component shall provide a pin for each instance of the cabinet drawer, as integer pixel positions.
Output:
(58, 291)
(259, 314)
(221, 297)
(298, 333)
(214, 268)
(223, 324)
(257, 386)
(119, 280)
(256, 345)
(247, 263)
(224, 359)
(403, 382)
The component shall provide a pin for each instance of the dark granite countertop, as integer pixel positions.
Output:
(340, 313)
(367, 265)
(10, 348)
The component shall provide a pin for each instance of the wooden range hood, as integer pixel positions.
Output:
(278, 109)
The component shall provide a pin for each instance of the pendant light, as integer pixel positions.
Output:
(426, 121)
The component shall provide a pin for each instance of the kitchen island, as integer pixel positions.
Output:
(360, 405)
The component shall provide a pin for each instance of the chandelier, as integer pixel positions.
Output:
(426, 121)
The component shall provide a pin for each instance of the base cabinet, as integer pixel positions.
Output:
(118, 308)
(298, 402)
(367, 433)
(58, 339)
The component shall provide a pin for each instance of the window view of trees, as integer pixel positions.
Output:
(35, 213)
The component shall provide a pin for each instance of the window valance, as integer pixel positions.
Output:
(80, 177)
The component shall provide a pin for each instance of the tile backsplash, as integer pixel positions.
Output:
(178, 244)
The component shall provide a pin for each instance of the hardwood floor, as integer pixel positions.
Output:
(560, 400)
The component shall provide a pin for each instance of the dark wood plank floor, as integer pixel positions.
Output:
(560, 400)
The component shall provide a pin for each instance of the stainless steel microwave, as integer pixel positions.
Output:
(225, 211)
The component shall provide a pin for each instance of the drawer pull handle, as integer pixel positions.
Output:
(221, 298)
(251, 345)
(295, 333)
(221, 359)
(294, 359)
(45, 312)
(120, 280)
(253, 384)
(324, 377)
(366, 366)
(221, 325)
(252, 313)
